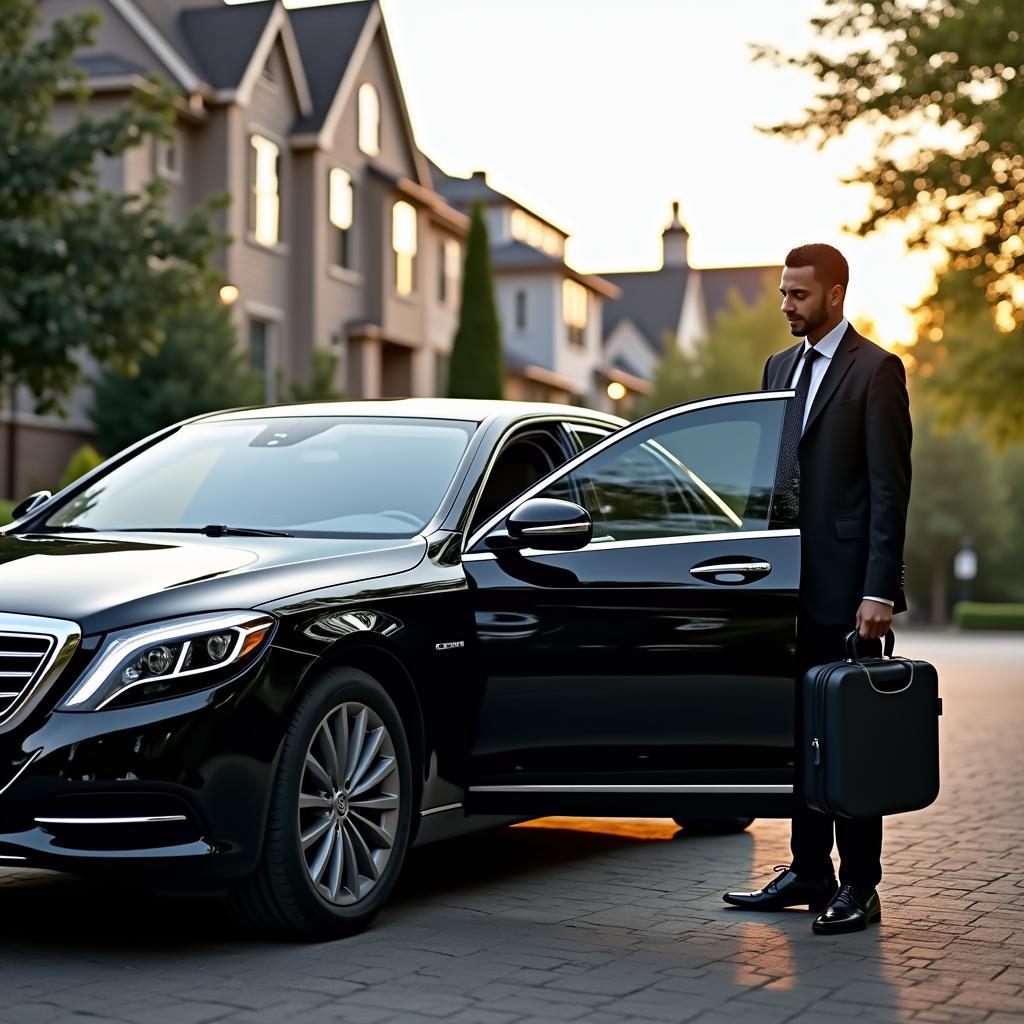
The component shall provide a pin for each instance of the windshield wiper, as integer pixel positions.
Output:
(211, 530)
(64, 528)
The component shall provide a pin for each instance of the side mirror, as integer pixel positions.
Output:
(547, 524)
(31, 502)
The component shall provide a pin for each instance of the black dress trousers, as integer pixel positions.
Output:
(859, 839)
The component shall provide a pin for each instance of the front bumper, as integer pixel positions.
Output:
(179, 785)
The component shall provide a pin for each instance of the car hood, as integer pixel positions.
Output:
(106, 581)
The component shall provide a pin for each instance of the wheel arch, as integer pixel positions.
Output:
(389, 669)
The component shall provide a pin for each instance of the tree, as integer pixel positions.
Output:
(320, 385)
(957, 492)
(476, 369)
(940, 83)
(730, 358)
(197, 369)
(83, 272)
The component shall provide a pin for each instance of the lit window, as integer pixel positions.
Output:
(552, 242)
(520, 225)
(369, 119)
(403, 241)
(448, 278)
(340, 210)
(264, 198)
(574, 309)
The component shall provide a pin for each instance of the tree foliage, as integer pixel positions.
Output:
(959, 491)
(940, 82)
(197, 369)
(476, 369)
(729, 359)
(82, 271)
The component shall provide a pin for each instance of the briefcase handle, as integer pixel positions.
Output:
(888, 643)
(887, 648)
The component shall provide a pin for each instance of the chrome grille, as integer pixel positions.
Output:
(33, 652)
(22, 658)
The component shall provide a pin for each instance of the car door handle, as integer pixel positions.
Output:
(732, 572)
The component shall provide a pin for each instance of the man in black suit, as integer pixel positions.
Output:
(844, 476)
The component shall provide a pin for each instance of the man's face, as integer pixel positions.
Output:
(805, 300)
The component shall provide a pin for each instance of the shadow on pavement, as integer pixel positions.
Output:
(105, 911)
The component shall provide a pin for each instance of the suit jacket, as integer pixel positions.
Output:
(854, 478)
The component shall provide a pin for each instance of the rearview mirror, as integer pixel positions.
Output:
(31, 502)
(547, 524)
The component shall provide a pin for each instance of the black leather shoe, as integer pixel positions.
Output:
(851, 910)
(787, 890)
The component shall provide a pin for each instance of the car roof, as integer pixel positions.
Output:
(475, 410)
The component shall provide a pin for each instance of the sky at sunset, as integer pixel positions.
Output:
(598, 113)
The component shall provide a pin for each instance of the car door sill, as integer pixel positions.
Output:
(584, 788)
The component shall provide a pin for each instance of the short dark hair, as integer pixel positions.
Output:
(830, 266)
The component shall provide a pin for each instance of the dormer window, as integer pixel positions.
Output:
(369, 119)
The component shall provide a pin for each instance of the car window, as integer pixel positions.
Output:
(710, 470)
(524, 460)
(348, 476)
(586, 434)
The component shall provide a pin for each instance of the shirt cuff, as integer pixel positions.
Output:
(880, 600)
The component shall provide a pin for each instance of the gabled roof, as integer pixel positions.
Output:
(516, 255)
(750, 282)
(327, 38)
(652, 300)
(463, 192)
(223, 39)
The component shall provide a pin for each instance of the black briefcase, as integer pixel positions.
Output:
(870, 734)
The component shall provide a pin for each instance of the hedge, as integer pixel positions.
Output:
(979, 615)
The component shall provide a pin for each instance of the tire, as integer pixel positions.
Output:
(713, 826)
(315, 879)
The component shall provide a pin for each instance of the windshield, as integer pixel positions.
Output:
(338, 476)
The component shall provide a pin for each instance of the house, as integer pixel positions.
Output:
(550, 313)
(674, 305)
(339, 241)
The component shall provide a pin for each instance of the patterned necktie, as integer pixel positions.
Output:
(786, 504)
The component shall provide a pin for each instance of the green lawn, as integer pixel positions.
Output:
(5, 511)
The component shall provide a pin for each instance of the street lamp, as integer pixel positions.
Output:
(616, 391)
(965, 566)
(228, 294)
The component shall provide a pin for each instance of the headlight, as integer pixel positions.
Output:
(169, 658)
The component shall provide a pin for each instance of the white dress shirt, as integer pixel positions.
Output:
(826, 348)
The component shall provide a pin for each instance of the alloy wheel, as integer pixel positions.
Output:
(348, 803)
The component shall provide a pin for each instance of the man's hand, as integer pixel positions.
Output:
(873, 619)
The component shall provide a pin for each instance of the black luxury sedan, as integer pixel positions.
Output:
(272, 648)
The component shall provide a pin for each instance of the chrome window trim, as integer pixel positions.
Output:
(151, 819)
(614, 438)
(503, 442)
(585, 788)
(66, 636)
(645, 542)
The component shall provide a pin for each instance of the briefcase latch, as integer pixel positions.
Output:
(816, 747)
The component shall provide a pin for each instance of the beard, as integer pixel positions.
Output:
(802, 326)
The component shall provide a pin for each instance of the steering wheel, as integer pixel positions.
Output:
(397, 513)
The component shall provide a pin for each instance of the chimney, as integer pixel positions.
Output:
(674, 241)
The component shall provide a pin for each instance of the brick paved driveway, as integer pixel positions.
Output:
(589, 920)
